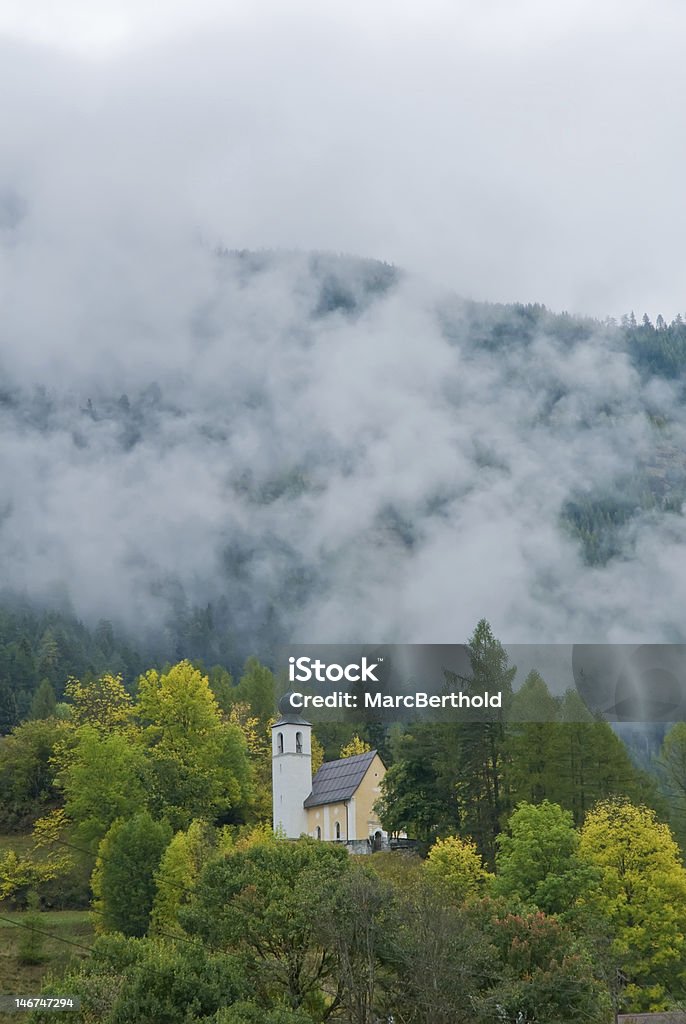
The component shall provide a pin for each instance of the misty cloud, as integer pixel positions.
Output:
(352, 451)
(518, 152)
(333, 444)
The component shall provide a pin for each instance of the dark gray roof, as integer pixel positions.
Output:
(289, 715)
(337, 780)
(291, 719)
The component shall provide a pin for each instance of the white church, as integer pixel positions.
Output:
(337, 805)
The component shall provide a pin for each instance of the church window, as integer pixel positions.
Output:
(319, 832)
(338, 830)
(298, 743)
(279, 743)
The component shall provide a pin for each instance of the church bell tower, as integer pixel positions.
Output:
(291, 769)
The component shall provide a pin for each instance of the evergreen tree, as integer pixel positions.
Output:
(44, 703)
(482, 785)
(589, 762)
(124, 876)
(257, 688)
(418, 792)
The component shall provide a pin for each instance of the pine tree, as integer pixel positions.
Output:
(44, 702)
(482, 784)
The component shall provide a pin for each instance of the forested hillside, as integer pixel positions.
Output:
(318, 448)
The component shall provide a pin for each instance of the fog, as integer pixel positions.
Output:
(176, 426)
(515, 152)
(329, 442)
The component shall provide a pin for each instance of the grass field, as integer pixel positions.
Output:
(20, 844)
(26, 979)
(17, 978)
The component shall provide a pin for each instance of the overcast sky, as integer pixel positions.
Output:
(516, 150)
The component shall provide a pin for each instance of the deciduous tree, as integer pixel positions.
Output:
(265, 899)
(642, 895)
(537, 859)
(454, 865)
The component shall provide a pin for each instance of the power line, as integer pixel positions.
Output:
(91, 949)
(160, 881)
(49, 935)
(169, 935)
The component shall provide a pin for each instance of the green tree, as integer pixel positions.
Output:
(180, 867)
(257, 687)
(642, 895)
(177, 707)
(259, 747)
(355, 924)
(442, 959)
(31, 949)
(44, 702)
(672, 763)
(22, 664)
(531, 745)
(589, 762)
(102, 703)
(482, 786)
(124, 877)
(21, 874)
(537, 859)
(200, 764)
(265, 900)
(221, 684)
(545, 974)
(103, 778)
(418, 790)
(49, 658)
(180, 984)
(673, 759)
(150, 980)
(27, 774)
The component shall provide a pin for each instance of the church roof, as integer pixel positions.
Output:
(289, 716)
(337, 780)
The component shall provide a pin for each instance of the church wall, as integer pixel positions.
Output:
(326, 817)
(367, 793)
(361, 819)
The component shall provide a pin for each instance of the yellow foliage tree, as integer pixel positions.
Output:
(642, 896)
(317, 755)
(354, 746)
(103, 703)
(455, 865)
(200, 762)
(22, 872)
(179, 869)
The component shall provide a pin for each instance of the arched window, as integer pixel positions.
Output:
(298, 743)
(279, 743)
(319, 832)
(338, 830)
